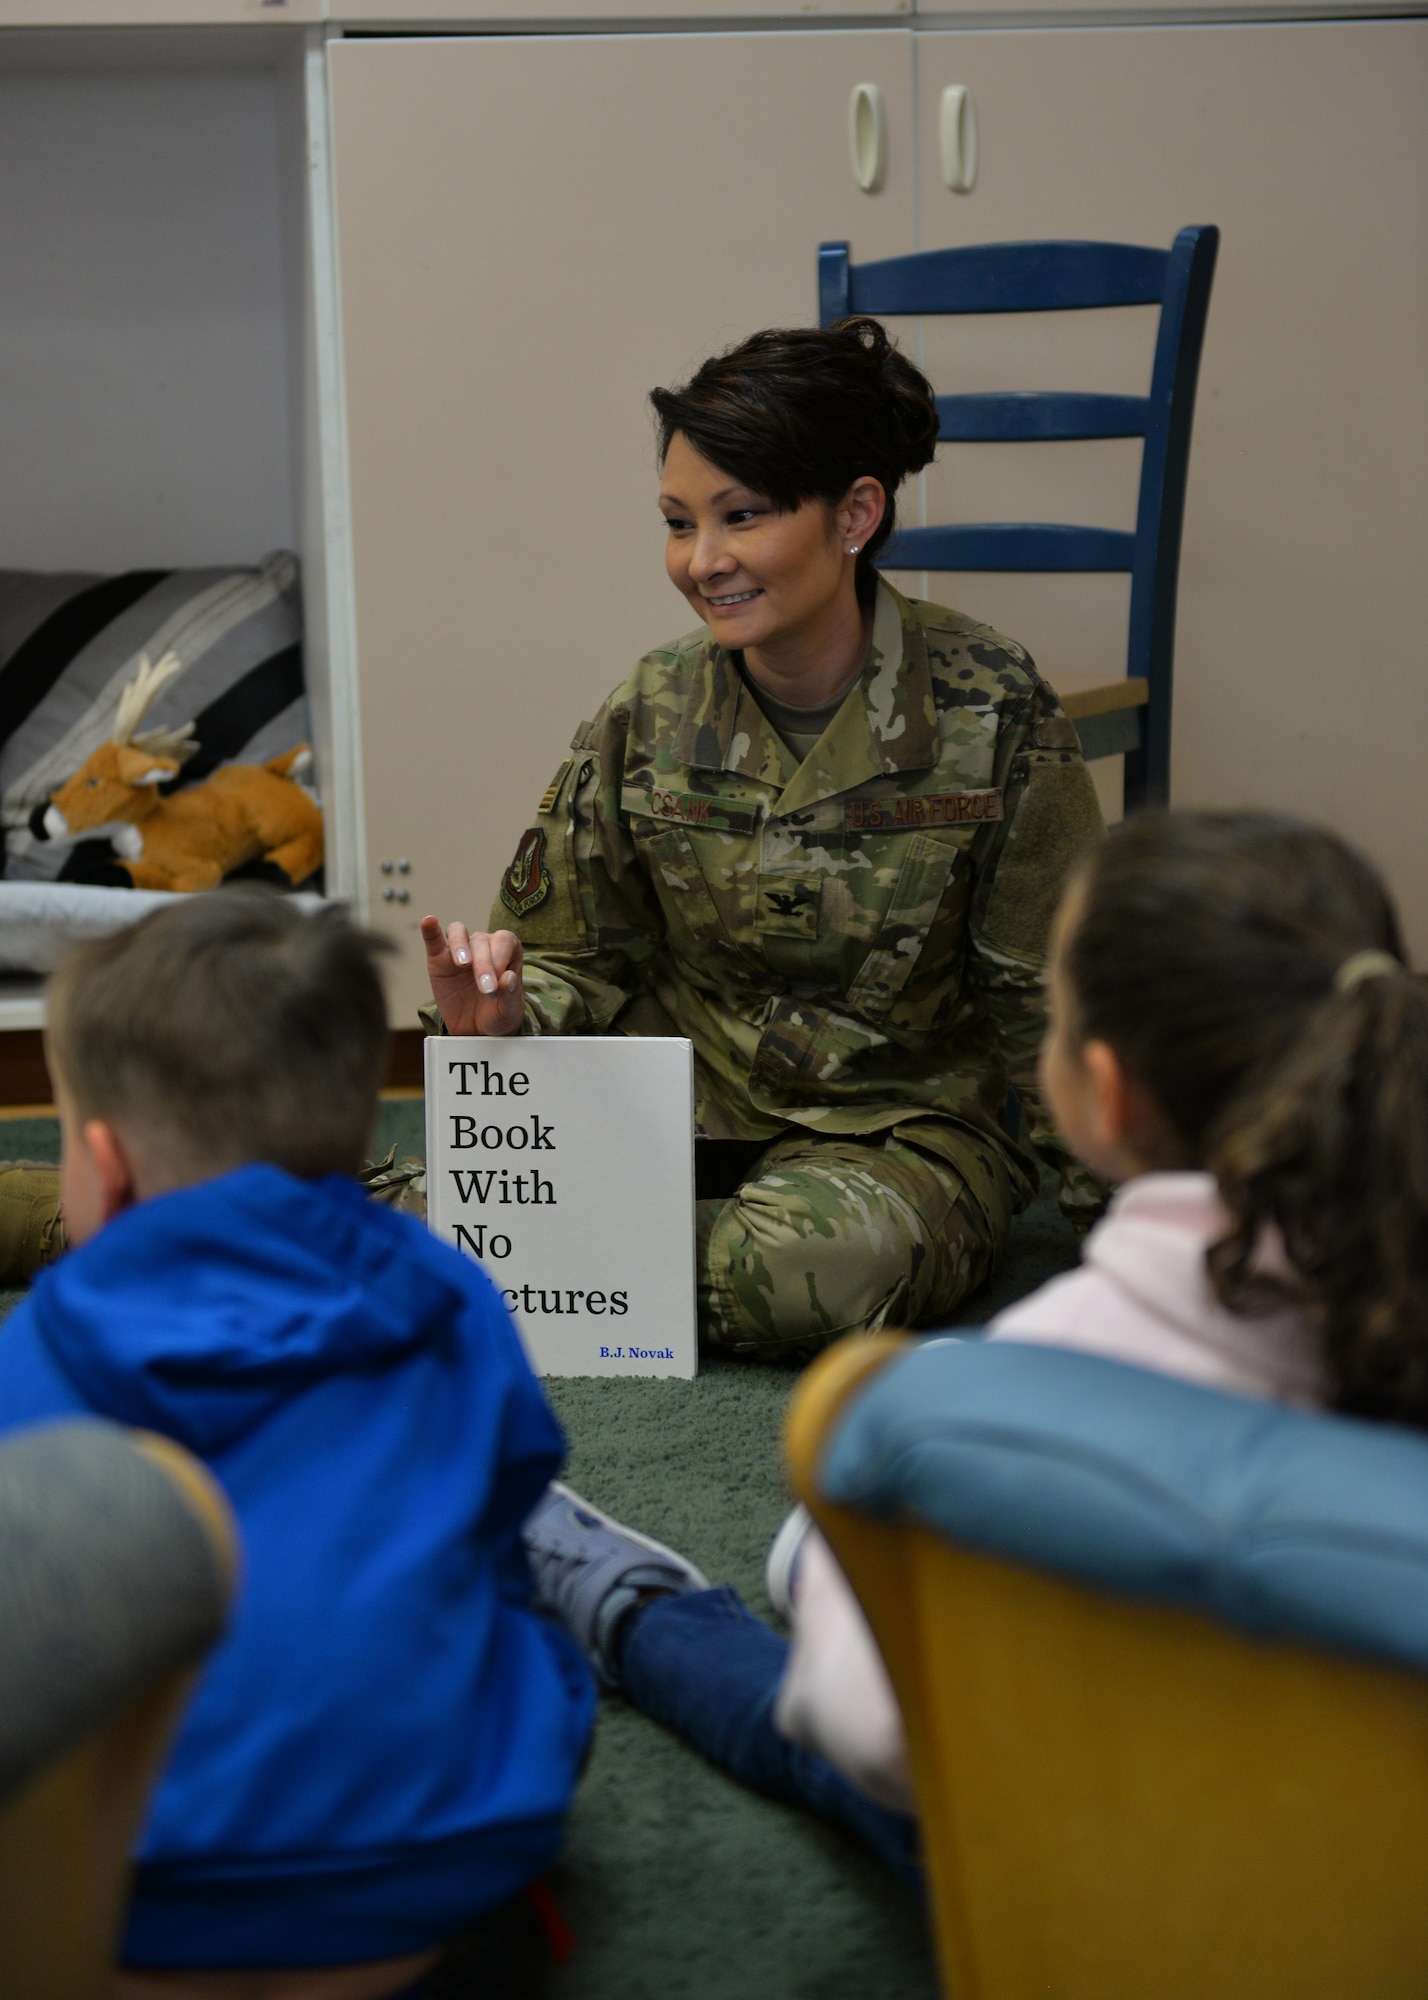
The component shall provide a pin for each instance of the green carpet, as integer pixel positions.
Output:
(675, 1882)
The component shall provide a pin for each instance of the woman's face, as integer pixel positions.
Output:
(757, 578)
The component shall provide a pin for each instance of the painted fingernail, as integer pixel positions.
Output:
(487, 982)
(462, 957)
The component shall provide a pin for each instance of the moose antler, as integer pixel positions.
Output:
(142, 692)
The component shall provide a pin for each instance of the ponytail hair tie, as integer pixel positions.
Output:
(1365, 965)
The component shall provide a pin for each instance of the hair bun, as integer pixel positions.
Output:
(906, 392)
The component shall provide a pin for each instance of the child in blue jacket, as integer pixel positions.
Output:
(386, 1742)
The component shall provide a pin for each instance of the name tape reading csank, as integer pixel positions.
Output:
(901, 810)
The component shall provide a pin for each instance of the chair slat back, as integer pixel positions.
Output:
(1012, 545)
(995, 277)
(1051, 277)
(1027, 416)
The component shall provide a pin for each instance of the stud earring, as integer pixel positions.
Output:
(854, 550)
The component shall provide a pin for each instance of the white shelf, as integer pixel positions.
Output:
(22, 1001)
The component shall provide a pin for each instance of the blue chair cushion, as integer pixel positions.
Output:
(1276, 1521)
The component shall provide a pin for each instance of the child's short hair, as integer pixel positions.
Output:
(1249, 969)
(228, 1028)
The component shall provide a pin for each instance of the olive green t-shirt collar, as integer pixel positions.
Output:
(886, 723)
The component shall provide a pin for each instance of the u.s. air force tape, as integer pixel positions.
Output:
(911, 810)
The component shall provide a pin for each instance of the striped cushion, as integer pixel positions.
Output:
(68, 646)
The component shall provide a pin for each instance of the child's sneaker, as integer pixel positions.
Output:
(589, 1570)
(781, 1566)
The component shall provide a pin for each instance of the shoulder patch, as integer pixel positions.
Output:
(526, 883)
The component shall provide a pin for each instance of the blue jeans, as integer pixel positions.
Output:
(706, 1668)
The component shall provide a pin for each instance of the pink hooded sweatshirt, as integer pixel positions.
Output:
(1140, 1295)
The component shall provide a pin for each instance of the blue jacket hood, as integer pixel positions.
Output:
(385, 1741)
(200, 1312)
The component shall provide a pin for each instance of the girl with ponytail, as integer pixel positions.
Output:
(1236, 1038)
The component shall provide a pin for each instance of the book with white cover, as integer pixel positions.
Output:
(565, 1165)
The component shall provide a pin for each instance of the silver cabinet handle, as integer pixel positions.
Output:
(868, 136)
(957, 136)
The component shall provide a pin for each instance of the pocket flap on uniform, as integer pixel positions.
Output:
(928, 866)
(691, 914)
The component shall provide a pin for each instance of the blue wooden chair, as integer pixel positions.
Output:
(1047, 277)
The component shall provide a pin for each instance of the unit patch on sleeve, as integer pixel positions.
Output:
(526, 883)
(911, 812)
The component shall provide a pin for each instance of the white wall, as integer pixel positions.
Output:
(144, 379)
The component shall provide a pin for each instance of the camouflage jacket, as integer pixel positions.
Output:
(853, 943)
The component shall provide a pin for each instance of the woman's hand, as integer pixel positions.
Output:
(475, 978)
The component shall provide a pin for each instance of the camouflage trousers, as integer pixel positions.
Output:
(828, 1235)
(822, 1236)
(32, 1227)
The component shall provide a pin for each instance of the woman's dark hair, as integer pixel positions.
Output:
(798, 413)
(1207, 954)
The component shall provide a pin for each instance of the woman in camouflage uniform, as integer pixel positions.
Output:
(823, 839)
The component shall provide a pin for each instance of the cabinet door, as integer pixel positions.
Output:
(1299, 669)
(534, 232)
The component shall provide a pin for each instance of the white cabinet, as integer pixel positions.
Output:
(533, 232)
(1300, 681)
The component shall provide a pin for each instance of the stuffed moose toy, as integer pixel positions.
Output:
(196, 836)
